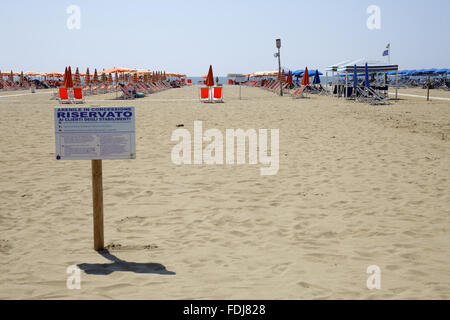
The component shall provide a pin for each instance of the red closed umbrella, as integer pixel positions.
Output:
(305, 79)
(65, 78)
(69, 83)
(210, 78)
(289, 78)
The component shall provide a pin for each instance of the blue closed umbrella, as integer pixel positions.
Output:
(355, 77)
(316, 79)
(367, 76)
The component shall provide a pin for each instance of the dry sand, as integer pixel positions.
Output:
(358, 185)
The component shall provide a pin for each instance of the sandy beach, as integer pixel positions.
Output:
(358, 185)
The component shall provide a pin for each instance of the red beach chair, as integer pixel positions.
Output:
(217, 94)
(204, 94)
(78, 95)
(64, 96)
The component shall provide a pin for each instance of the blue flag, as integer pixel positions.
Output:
(386, 52)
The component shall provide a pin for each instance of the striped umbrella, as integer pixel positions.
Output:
(117, 77)
(77, 78)
(87, 77)
(110, 79)
(135, 78)
(104, 78)
(95, 79)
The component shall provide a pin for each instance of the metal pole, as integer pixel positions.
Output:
(279, 73)
(396, 86)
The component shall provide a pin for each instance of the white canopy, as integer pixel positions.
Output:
(372, 65)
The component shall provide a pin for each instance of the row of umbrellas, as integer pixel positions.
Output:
(106, 76)
(140, 72)
(305, 79)
(420, 72)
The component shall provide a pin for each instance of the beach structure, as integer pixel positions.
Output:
(371, 67)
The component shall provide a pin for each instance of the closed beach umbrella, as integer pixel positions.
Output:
(355, 77)
(11, 77)
(110, 79)
(305, 79)
(77, 78)
(21, 78)
(95, 79)
(87, 77)
(316, 79)
(210, 78)
(367, 83)
(289, 78)
(65, 78)
(69, 78)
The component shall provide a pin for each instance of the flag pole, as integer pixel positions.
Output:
(389, 55)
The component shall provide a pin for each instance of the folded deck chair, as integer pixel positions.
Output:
(377, 98)
(299, 93)
(64, 96)
(126, 94)
(78, 95)
(217, 94)
(204, 94)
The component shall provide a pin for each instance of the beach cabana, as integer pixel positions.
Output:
(369, 67)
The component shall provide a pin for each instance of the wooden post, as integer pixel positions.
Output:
(97, 197)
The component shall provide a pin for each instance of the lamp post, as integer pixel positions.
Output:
(278, 43)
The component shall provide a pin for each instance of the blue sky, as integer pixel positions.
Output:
(232, 35)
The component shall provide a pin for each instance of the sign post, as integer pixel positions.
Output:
(95, 133)
(239, 79)
(97, 197)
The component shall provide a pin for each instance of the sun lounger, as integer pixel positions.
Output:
(64, 96)
(125, 93)
(217, 94)
(78, 95)
(299, 93)
(204, 94)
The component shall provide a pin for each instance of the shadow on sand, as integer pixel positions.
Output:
(121, 265)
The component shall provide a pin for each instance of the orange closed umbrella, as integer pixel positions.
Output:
(110, 79)
(210, 78)
(289, 78)
(305, 79)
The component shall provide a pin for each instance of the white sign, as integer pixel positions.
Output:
(95, 133)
